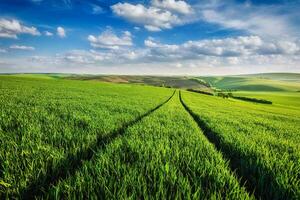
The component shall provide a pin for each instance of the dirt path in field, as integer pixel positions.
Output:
(212, 138)
(73, 162)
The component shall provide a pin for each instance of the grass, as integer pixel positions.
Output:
(164, 156)
(44, 121)
(283, 99)
(258, 82)
(75, 139)
(261, 141)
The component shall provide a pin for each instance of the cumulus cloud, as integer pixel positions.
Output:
(230, 51)
(11, 28)
(47, 33)
(3, 50)
(160, 15)
(227, 47)
(173, 5)
(265, 21)
(21, 47)
(109, 40)
(61, 32)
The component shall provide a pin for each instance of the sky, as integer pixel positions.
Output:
(157, 37)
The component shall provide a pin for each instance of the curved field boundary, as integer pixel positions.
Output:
(73, 162)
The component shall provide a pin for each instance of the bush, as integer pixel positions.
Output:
(201, 92)
(253, 100)
(224, 95)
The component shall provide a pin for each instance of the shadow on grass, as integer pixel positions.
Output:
(256, 178)
(73, 162)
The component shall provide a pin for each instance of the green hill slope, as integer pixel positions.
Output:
(257, 82)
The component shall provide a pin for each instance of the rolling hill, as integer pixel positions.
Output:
(256, 82)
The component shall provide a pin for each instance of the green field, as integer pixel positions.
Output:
(73, 137)
(276, 82)
(161, 81)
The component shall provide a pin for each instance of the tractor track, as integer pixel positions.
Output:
(73, 162)
(213, 138)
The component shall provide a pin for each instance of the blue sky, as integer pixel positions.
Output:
(162, 37)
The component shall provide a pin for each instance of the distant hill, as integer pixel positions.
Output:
(253, 82)
(165, 81)
(256, 82)
(292, 77)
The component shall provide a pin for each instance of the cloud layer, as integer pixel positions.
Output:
(228, 47)
(11, 28)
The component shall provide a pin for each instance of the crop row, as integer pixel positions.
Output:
(261, 142)
(45, 125)
(164, 156)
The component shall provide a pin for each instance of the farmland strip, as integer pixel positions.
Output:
(43, 121)
(73, 162)
(161, 157)
(257, 168)
(212, 137)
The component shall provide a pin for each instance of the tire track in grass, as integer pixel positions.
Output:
(212, 138)
(158, 158)
(258, 179)
(73, 162)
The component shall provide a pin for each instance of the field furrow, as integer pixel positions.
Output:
(267, 162)
(164, 156)
(73, 162)
(47, 128)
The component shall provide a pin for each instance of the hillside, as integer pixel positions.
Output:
(171, 81)
(256, 82)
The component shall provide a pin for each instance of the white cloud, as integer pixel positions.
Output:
(264, 21)
(153, 18)
(152, 28)
(3, 50)
(151, 43)
(109, 40)
(47, 33)
(227, 47)
(234, 51)
(173, 5)
(21, 47)
(81, 57)
(233, 60)
(115, 64)
(91, 58)
(11, 28)
(227, 52)
(61, 32)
